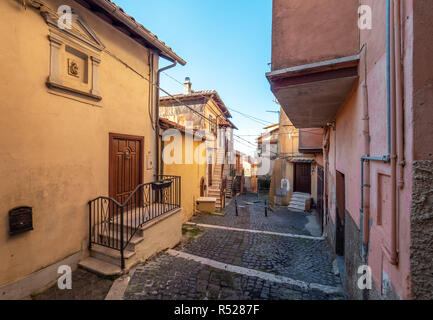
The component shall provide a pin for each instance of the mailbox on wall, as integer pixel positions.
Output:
(20, 220)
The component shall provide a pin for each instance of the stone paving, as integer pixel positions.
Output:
(85, 286)
(251, 215)
(169, 277)
(301, 259)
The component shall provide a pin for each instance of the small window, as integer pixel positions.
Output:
(212, 123)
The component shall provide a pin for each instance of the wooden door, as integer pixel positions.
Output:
(125, 166)
(302, 177)
(202, 187)
(209, 174)
(341, 211)
(320, 187)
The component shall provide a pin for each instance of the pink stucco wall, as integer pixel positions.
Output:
(307, 31)
(347, 145)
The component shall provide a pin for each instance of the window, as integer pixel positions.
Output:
(212, 123)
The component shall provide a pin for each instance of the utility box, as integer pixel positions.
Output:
(206, 204)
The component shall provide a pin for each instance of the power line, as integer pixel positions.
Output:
(260, 121)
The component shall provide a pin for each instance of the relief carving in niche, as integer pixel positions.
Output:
(73, 68)
(74, 57)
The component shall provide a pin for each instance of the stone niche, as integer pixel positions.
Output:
(74, 58)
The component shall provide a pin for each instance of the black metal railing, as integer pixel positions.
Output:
(113, 224)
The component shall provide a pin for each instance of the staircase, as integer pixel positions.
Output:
(214, 190)
(229, 187)
(297, 203)
(107, 261)
(117, 231)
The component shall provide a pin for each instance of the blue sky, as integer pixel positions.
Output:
(227, 46)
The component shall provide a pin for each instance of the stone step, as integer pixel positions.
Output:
(297, 202)
(100, 267)
(301, 195)
(131, 245)
(115, 227)
(296, 208)
(112, 256)
(299, 199)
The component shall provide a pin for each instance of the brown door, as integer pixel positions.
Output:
(320, 185)
(341, 210)
(209, 174)
(202, 187)
(302, 177)
(126, 165)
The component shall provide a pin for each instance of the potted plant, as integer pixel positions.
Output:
(161, 184)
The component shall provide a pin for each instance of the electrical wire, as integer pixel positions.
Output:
(258, 120)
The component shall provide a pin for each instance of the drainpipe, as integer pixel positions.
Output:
(391, 157)
(392, 251)
(399, 90)
(365, 167)
(159, 166)
(325, 147)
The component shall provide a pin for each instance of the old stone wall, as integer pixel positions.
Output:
(422, 230)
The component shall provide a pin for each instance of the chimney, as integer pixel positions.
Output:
(187, 86)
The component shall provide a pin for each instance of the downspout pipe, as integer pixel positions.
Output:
(159, 166)
(365, 214)
(391, 156)
(399, 87)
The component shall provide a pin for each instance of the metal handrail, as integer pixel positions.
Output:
(113, 225)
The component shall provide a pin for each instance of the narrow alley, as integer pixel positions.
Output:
(280, 150)
(249, 256)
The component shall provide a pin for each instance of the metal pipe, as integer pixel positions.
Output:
(399, 38)
(390, 157)
(388, 71)
(391, 252)
(326, 141)
(399, 91)
(365, 168)
(122, 255)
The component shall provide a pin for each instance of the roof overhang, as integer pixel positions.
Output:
(312, 94)
(114, 15)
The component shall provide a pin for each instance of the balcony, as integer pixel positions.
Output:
(312, 94)
(315, 46)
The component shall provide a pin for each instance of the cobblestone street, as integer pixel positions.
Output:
(279, 257)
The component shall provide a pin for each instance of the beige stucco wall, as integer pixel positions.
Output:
(54, 150)
(164, 234)
(211, 108)
(191, 175)
(283, 168)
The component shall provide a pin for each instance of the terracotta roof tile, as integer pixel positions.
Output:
(203, 94)
(140, 26)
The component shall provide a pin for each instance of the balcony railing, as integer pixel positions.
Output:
(113, 225)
